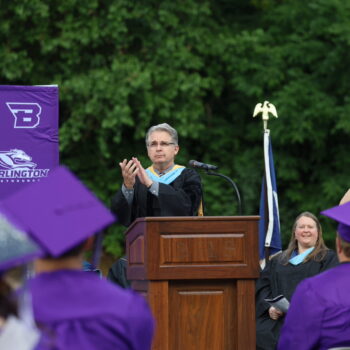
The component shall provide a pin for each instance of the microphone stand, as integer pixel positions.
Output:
(210, 172)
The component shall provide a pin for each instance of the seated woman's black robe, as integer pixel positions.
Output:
(278, 279)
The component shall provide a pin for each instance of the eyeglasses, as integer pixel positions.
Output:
(155, 144)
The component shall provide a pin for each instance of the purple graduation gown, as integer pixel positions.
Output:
(77, 310)
(319, 315)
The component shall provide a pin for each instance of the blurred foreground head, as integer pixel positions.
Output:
(52, 217)
(341, 214)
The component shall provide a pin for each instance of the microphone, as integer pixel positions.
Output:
(195, 164)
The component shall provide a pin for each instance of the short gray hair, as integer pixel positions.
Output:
(163, 127)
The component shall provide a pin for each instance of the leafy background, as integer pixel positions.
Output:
(201, 66)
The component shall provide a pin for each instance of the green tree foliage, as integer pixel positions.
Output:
(124, 65)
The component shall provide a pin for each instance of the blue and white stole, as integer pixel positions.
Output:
(168, 177)
(297, 259)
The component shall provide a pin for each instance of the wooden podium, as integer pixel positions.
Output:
(198, 275)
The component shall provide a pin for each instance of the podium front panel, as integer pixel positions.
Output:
(198, 275)
(193, 247)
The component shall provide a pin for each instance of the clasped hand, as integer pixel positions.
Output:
(131, 169)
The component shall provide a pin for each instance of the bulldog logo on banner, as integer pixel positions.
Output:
(28, 135)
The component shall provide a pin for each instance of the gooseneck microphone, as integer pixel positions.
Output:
(209, 170)
(195, 164)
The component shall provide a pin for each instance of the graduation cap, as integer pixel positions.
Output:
(341, 213)
(58, 212)
(16, 248)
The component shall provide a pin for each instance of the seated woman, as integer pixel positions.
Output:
(305, 256)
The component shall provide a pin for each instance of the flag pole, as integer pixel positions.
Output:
(269, 212)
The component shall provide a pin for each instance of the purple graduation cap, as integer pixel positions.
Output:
(341, 213)
(16, 248)
(58, 212)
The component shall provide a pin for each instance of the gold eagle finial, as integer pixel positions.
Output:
(265, 109)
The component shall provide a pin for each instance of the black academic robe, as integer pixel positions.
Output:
(278, 279)
(180, 198)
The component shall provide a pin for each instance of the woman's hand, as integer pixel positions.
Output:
(274, 313)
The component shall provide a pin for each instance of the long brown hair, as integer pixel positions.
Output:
(320, 250)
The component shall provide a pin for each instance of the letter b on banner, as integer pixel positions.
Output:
(26, 114)
(28, 135)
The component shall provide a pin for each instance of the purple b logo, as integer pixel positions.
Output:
(26, 114)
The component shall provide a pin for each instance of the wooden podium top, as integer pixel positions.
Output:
(195, 218)
(206, 247)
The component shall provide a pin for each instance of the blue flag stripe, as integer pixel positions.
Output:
(269, 225)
